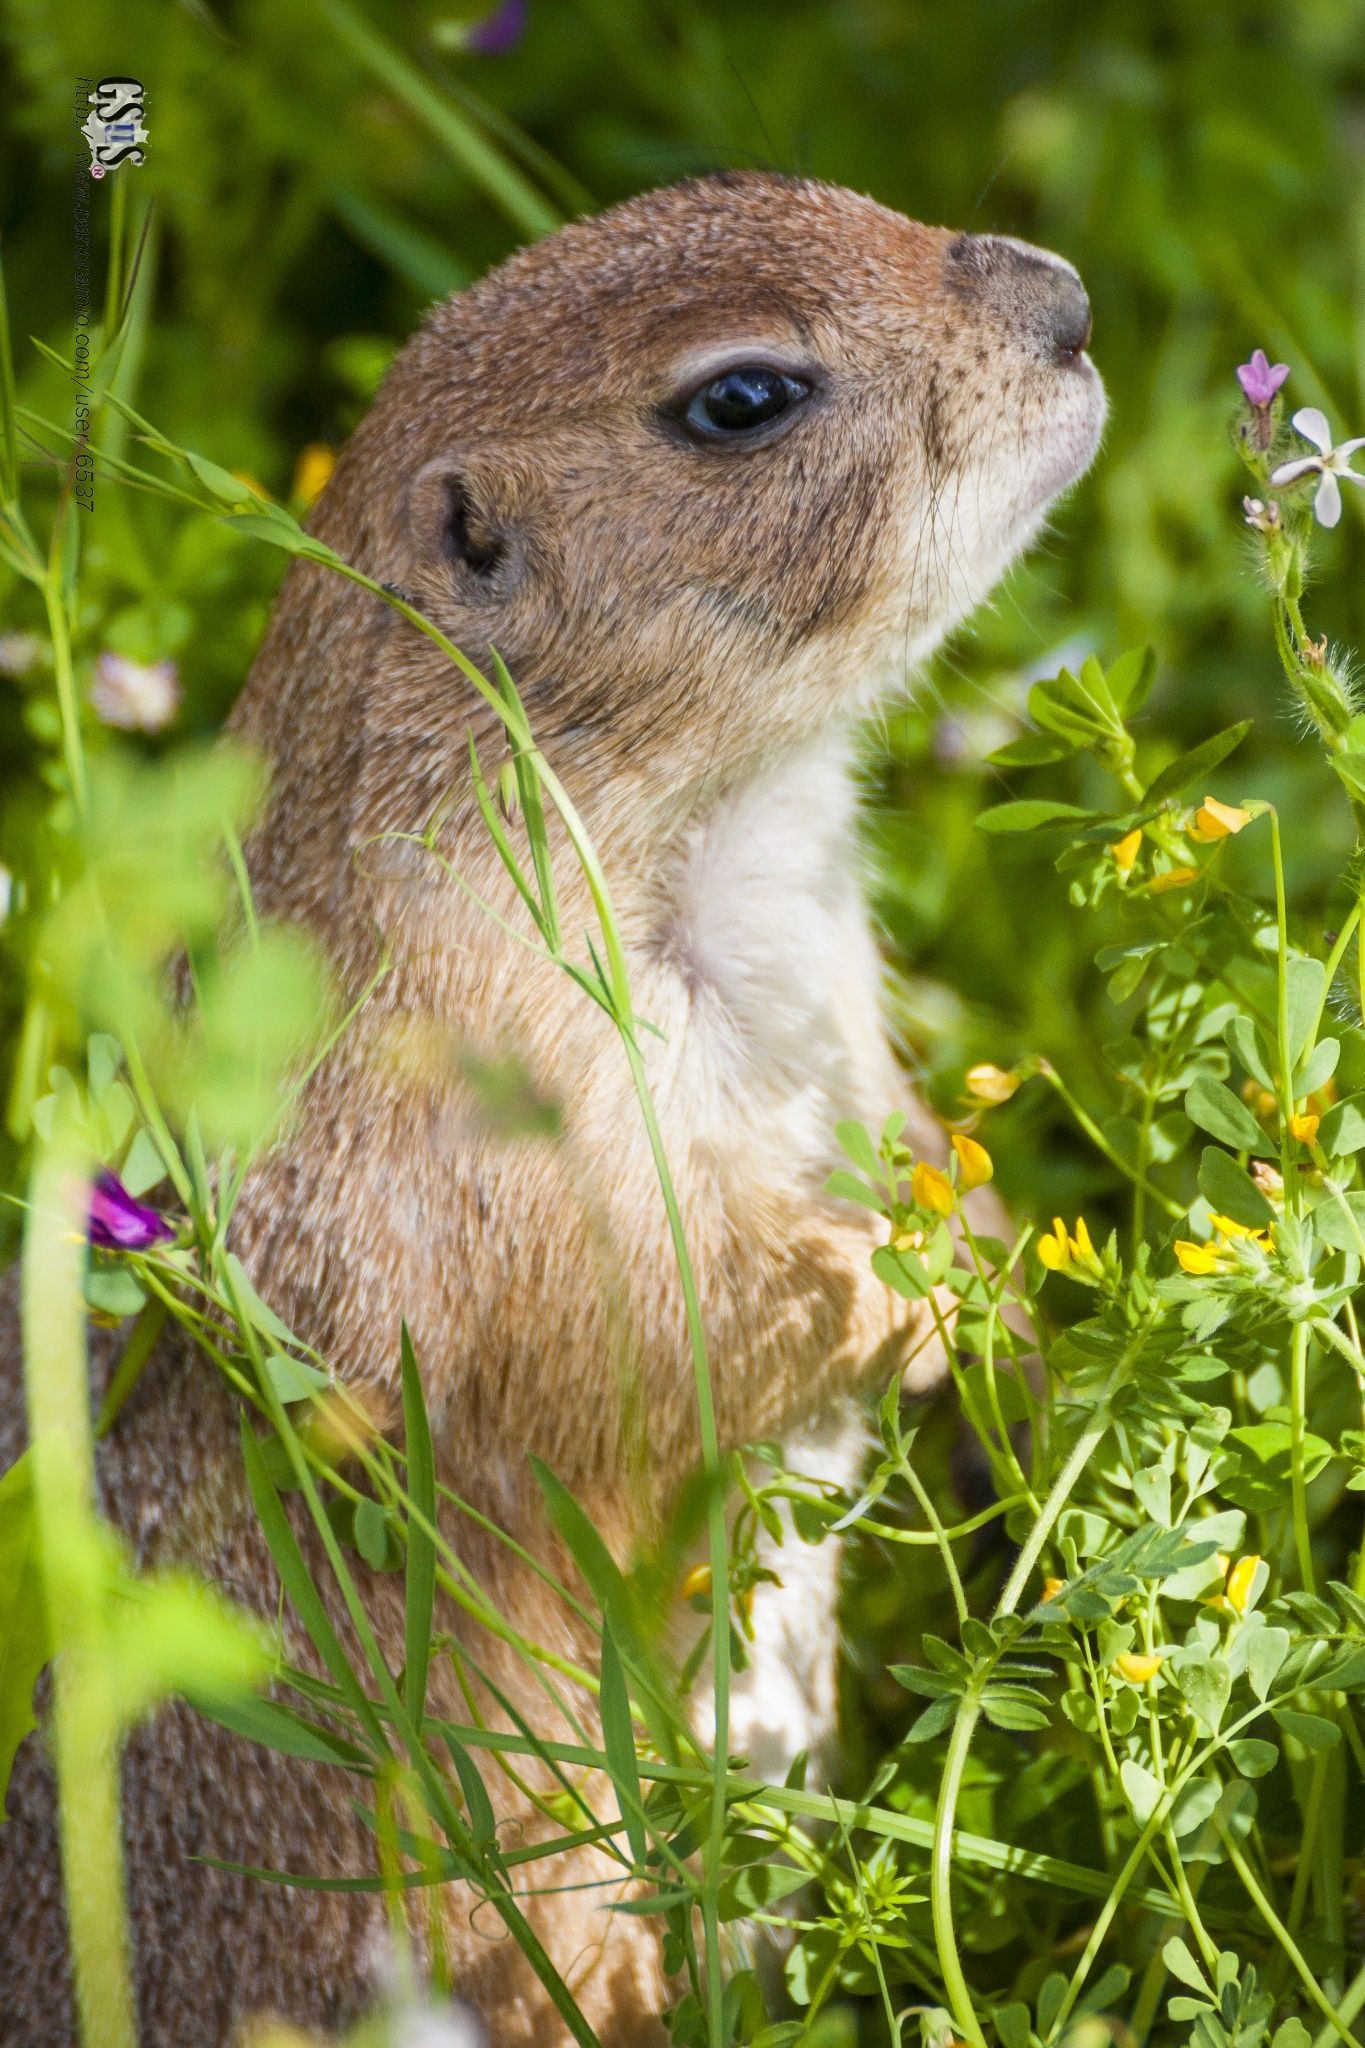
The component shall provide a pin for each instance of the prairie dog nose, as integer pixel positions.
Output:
(1029, 289)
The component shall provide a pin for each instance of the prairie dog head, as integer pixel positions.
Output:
(719, 465)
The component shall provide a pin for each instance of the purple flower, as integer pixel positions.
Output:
(118, 1222)
(499, 31)
(1261, 379)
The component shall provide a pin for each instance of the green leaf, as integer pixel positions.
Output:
(1142, 1790)
(1130, 679)
(584, 1545)
(113, 1291)
(1306, 982)
(1310, 1729)
(1317, 1067)
(1011, 2023)
(1030, 814)
(1252, 1757)
(292, 1378)
(1246, 1045)
(854, 1140)
(1032, 750)
(1206, 1686)
(278, 1727)
(848, 1188)
(255, 1310)
(1182, 1965)
(757, 1886)
(478, 1806)
(1343, 1127)
(1194, 766)
(221, 482)
(1224, 1115)
(1267, 1649)
(1230, 1192)
(419, 1586)
(618, 1741)
(372, 1533)
(24, 1638)
(1339, 1221)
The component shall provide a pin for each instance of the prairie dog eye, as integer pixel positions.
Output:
(740, 403)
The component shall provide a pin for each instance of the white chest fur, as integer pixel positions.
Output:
(768, 931)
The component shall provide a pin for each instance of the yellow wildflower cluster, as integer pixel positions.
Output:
(1063, 1252)
(1220, 1256)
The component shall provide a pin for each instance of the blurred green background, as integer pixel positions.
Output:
(317, 181)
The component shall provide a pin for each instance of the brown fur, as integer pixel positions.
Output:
(686, 624)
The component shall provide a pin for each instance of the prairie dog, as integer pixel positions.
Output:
(713, 472)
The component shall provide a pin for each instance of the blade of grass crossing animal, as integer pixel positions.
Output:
(532, 807)
(298, 1584)
(420, 1585)
(618, 1740)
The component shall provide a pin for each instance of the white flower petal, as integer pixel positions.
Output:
(1352, 476)
(1312, 424)
(1327, 503)
(1349, 447)
(1288, 471)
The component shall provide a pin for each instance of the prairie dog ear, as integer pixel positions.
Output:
(462, 527)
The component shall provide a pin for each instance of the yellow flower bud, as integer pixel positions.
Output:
(930, 1189)
(1174, 878)
(974, 1161)
(991, 1084)
(1240, 1581)
(1137, 1668)
(696, 1582)
(1217, 821)
(1054, 1251)
(1125, 850)
(1052, 1587)
(1304, 1127)
(1081, 1247)
(312, 473)
(1196, 1258)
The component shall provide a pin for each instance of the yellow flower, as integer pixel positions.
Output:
(1196, 1258)
(696, 1582)
(1125, 850)
(1259, 1100)
(1052, 1587)
(1081, 1246)
(975, 1161)
(1054, 1251)
(1217, 821)
(1240, 1581)
(991, 1084)
(1174, 878)
(312, 472)
(1304, 1127)
(1137, 1668)
(907, 1240)
(930, 1189)
(1227, 1226)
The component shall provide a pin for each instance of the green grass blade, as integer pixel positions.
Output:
(420, 1585)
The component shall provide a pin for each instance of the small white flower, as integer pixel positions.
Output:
(1330, 463)
(20, 653)
(137, 696)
